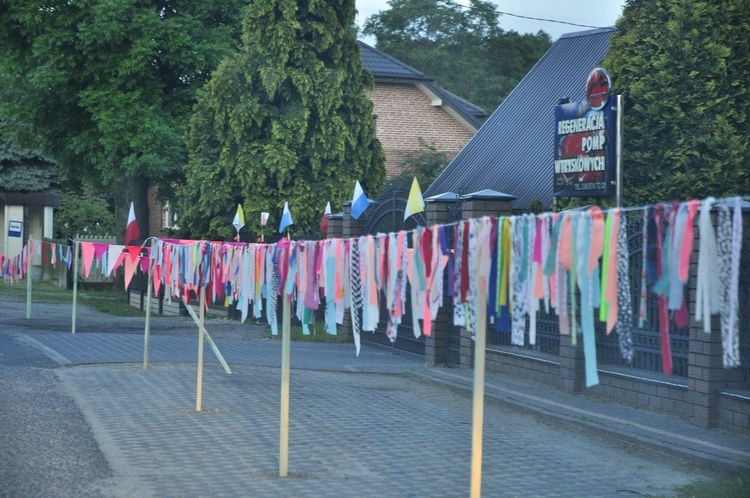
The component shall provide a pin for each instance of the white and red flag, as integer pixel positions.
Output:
(324, 221)
(131, 232)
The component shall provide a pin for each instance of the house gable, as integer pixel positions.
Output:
(409, 106)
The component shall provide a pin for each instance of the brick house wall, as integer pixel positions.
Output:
(157, 217)
(404, 115)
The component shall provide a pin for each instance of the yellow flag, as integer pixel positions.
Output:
(415, 203)
(239, 218)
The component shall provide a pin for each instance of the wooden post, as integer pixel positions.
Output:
(202, 313)
(207, 337)
(478, 419)
(75, 283)
(284, 419)
(148, 318)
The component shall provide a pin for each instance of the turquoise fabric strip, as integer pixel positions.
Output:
(587, 310)
(330, 285)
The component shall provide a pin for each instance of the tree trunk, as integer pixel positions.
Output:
(124, 191)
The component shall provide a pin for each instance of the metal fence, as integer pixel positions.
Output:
(386, 215)
(646, 339)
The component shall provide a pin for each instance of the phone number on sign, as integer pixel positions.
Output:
(591, 186)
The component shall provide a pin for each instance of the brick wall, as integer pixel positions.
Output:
(156, 214)
(734, 410)
(405, 114)
(646, 389)
(539, 367)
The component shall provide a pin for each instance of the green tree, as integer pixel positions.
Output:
(426, 165)
(684, 67)
(23, 170)
(286, 119)
(83, 212)
(106, 87)
(464, 49)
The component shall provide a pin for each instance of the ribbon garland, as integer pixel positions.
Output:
(521, 260)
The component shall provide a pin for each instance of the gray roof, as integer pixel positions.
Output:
(386, 69)
(513, 151)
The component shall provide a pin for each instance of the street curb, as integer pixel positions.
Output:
(673, 448)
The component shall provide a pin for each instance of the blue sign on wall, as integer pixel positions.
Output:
(15, 228)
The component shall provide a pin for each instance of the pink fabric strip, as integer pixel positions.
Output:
(429, 257)
(338, 292)
(611, 293)
(381, 270)
(372, 288)
(537, 261)
(157, 279)
(687, 241)
(144, 264)
(311, 301)
(537, 256)
(564, 243)
(130, 266)
(87, 248)
(100, 249)
(666, 348)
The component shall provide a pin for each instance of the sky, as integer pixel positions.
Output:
(599, 13)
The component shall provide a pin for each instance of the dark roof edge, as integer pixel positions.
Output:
(479, 110)
(416, 72)
(449, 100)
(29, 199)
(588, 32)
(393, 78)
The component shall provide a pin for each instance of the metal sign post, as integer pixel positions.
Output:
(618, 153)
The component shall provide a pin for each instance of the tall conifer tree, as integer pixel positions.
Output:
(684, 67)
(287, 119)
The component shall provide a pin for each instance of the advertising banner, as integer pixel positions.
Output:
(585, 134)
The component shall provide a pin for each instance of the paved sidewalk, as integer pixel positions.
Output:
(375, 425)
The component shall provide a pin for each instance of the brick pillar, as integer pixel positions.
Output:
(335, 226)
(476, 205)
(476, 208)
(467, 350)
(435, 348)
(572, 364)
(706, 373)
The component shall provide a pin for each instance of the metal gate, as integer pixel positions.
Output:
(385, 215)
(646, 339)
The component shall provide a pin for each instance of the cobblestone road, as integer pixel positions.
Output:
(359, 427)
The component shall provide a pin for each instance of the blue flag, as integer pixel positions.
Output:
(359, 201)
(286, 218)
